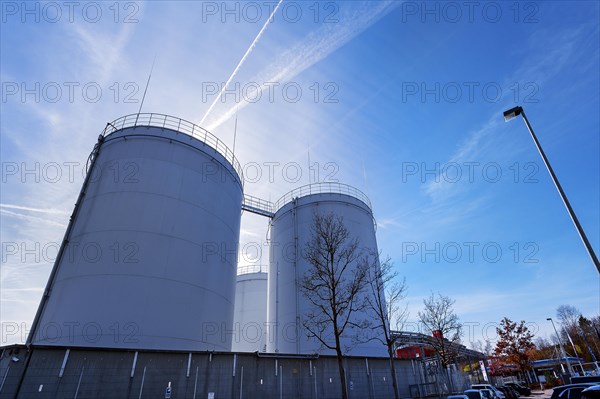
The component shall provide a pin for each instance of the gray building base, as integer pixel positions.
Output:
(60, 372)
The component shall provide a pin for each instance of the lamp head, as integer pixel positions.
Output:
(549, 319)
(512, 113)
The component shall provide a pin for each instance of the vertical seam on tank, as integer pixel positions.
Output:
(295, 212)
(276, 329)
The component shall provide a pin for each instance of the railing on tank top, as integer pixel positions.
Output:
(252, 204)
(322, 188)
(180, 125)
(247, 269)
(268, 209)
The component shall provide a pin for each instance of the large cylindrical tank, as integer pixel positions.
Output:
(250, 312)
(290, 231)
(150, 260)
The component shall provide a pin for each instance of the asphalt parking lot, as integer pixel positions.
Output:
(545, 394)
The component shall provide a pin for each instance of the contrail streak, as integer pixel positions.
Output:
(315, 47)
(42, 210)
(235, 71)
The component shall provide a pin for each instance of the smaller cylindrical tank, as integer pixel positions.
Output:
(290, 231)
(250, 309)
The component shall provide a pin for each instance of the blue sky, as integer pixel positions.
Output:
(402, 100)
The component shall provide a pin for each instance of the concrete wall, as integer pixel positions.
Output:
(101, 373)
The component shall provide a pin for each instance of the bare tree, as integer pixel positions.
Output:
(442, 324)
(479, 346)
(333, 284)
(569, 318)
(384, 302)
(568, 315)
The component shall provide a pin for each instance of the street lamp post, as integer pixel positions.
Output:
(562, 350)
(513, 113)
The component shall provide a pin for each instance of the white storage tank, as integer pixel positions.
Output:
(290, 230)
(150, 257)
(250, 313)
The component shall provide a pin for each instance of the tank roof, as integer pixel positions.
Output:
(177, 124)
(322, 188)
(248, 269)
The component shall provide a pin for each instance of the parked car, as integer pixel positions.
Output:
(571, 391)
(508, 392)
(515, 393)
(495, 391)
(592, 392)
(474, 394)
(522, 389)
(458, 397)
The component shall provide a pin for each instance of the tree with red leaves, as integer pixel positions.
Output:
(515, 345)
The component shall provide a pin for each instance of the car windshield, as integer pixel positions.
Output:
(473, 395)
